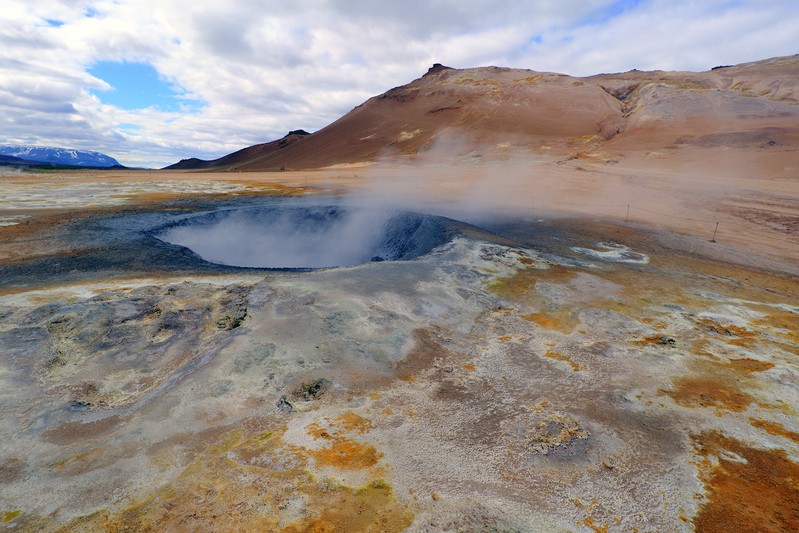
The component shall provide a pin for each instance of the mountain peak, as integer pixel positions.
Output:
(494, 113)
(436, 68)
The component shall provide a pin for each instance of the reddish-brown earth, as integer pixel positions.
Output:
(497, 113)
(598, 365)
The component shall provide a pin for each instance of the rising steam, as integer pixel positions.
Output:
(306, 237)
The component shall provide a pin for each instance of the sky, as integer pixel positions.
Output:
(150, 82)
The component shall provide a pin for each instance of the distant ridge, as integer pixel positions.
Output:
(11, 160)
(493, 113)
(39, 155)
(265, 154)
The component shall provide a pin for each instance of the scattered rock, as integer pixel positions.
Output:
(555, 433)
(55, 362)
(232, 320)
(235, 310)
(313, 390)
(284, 406)
(79, 405)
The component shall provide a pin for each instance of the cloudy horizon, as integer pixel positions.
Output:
(151, 82)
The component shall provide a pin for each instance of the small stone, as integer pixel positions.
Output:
(284, 406)
(313, 390)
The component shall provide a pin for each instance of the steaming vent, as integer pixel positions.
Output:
(306, 237)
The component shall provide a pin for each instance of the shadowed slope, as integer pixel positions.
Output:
(260, 152)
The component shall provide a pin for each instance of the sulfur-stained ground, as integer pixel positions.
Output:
(564, 375)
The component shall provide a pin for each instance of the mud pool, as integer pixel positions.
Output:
(523, 375)
(308, 236)
(223, 236)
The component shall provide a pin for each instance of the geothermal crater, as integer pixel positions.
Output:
(306, 237)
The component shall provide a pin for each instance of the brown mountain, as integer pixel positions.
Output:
(495, 113)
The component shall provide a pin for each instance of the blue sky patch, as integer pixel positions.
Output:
(534, 40)
(137, 86)
(611, 11)
(129, 129)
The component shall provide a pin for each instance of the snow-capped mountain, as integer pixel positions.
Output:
(59, 156)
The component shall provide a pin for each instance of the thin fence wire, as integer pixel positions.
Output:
(631, 207)
(673, 216)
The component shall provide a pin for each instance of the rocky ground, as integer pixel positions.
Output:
(531, 375)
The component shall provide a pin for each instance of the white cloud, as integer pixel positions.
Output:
(262, 69)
